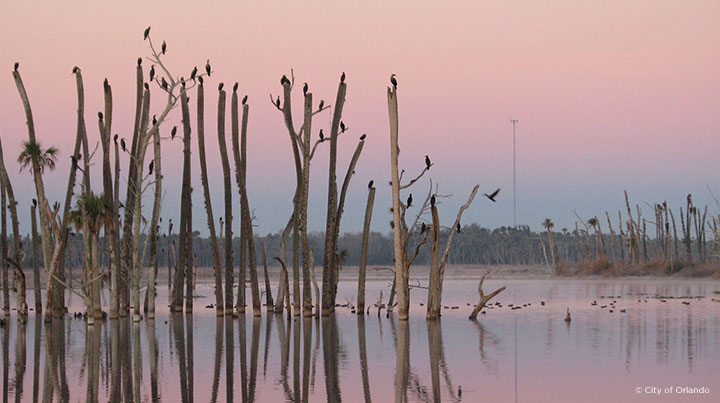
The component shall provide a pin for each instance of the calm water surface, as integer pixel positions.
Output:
(525, 355)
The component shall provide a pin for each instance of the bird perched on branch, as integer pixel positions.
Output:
(76, 69)
(322, 135)
(322, 103)
(152, 72)
(284, 80)
(423, 228)
(163, 84)
(139, 61)
(342, 77)
(115, 137)
(15, 67)
(207, 67)
(305, 89)
(427, 163)
(370, 184)
(277, 102)
(393, 81)
(100, 115)
(432, 201)
(193, 73)
(342, 126)
(123, 145)
(173, 133)
(150, 167)
(492, 195)
(458, 228)
(235, 87)
(147, 32)
(362, 138)
(244, 100)
(409, 201)
(163, 48)
(220, 86)
(35, 202)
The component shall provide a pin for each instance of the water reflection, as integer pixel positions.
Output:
(362, 357)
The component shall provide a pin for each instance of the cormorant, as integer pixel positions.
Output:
(173, 132)
(154, 120)
(277, 101)
(342, 77)
(164, 84)
(139, 62)
(342, 126)
(492, 195)
(235, 87)
(35, 202)
(458, 228)
(100, 115)
(122, 145)
(427, 163)
(200, 79)
(75, 69)
(322, 103)
(322, 135)
(409, 201)
(147, 87)
(147, 32)
(362, 138)
(106, 85)
(115, 137)
(370, 184)
(423, 228)
(150, 167)
(305, 89)
(432, 201)
(220, 86)
(16, 66)
(193, 73)
(152, 72)
(393, 81)
(244, 100)
(284, 80)
(207, 67)
(163, 48)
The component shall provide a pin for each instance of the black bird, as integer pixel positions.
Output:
(305, 89)
(74, 161)
(173, 133)
(235, 87)
(370, 184)
(115, 137)
(106, 85)
(458, 228)
(342, 126)
(409, 201)
(164, 84)
(362, 138)
(201, 80)
(393, 81)
(322, 103)
(492, 195)
(16, 66)
(423, 228)
(427, 162)
(76, 69)
(342, 77)
(244, 100)
(152, 72)
(147, 32)
(100, 115)
(154, 121)
(193, 73)
(150, 167)
(277, 101)
(122, 145)
(284, 80)
(182, 81)
(322, 135)
(139, 62)
(432, 201)
(35, 202)
(220, 86)
(163, 48)
(147, 87)
(207, 67)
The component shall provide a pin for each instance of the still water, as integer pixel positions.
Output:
(525, 355)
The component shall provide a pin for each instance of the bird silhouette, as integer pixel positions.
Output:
(567, 316)
(152, 72)
(342, 126)
(342, 77)
(150, 167)
(207, 67)
(235, 87)
(362, 138)
(115, 137)
(458, 228)
(220, 86)
(34, 202)
(409, 201)
(15, 67)
(163, 84)
(393, 81)
(370, 184)
(423, 228)
(147, 32)
(100, 115)
(305, 89)
(492, 195)
(173, 133)
(322, 135)
(427, 162)
(123, 145)
(163, 48)
(322, 103)
(244, 100)
(76, 69)
(432, 201)
(277, 102)
(139, 61)
(193, 73)
(284, 80)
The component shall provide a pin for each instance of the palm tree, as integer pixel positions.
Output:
(33, 151)
(548, 225)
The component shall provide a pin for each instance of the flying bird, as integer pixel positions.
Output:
(152, 72)
(235, 87)
(193, 73)
(147, 32)
(370, 184)
(492, 195)
(173, 133)
(305, 89)
(207, 67)
(163, 48)
(284, 80)
(362, 138)
(123, 145)
(342, 77)
(150, 167)
(393, 81)
(244, 100)
(427, 163)
(409, 201)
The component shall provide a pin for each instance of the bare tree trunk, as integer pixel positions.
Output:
(613, 255)
(36, 257)
(4, 251)
(154, 227)
(281, 286)
(484, 298)
(217, 263)
(268, 291)
(228, 204)
(364, 252)
(238, 149)
(180, 262)
(303, 205)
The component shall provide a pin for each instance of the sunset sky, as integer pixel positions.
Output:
(610, 96)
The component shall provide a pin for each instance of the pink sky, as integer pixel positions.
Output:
(610, 95)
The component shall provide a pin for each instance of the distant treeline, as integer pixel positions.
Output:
(473, 245)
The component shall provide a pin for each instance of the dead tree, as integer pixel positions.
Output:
(484, 299)
(364, 250)
(228, 202)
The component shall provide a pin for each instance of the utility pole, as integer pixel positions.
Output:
(514, 121)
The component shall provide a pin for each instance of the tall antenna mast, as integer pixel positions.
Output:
(514, 121)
